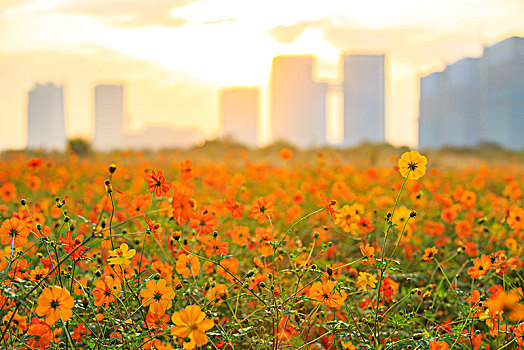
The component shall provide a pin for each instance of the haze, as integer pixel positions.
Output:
(174, 55)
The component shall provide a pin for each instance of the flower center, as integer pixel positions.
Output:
(55, 304)
(412, 166)
(157, 296)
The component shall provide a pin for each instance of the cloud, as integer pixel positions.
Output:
(288, 34)
(129, 13)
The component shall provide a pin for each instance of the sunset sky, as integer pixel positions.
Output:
(173, 55)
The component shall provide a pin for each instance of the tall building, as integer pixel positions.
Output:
(364, 99)
(298, 103)
(430, 110)
(476, 100)
(461, 103)
(239, 109)
(109, 117)
(502, 72)
(45, 118)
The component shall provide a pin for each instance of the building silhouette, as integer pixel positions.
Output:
(450, 106)
(502, 68)
(109, 117)
(297, 102)
(475, 100)
(45, 118)
(239, 109)
(364, 99)
(430, 110)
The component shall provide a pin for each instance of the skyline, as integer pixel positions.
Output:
(80, 43)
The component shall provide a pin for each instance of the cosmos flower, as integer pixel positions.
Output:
(413, 163)
(55, 303)
(191, 325)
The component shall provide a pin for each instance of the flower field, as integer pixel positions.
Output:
(136, 250)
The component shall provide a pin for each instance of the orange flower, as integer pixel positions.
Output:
(468, 199)
(38, 273)
(39, 334)
(105, 290)
(191, 324)
(186, 170)
(480, 267)
(55, 303)
(19, 322)
(325, 293)
(507, 303)
(69, 245)
(413, 163)
(203, 222)
(215, 246)
(157, 183)
(285, 154)
(515, 218)
(234, 207)
(217, 294)
(429, 253)
(187, 265)
(14, 228)
(158, 295)
(8, 192)
(328, 204)
(438, 345)
(261, 208)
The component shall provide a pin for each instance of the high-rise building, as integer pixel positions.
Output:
(45, 118)
(502, 74)
(298, 103)
(239, 109)
(109, 117)
(460, 110)
(476, 100)
(430, 110)
(364, 99)
(449, 106)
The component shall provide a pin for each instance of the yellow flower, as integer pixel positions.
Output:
(191, 325)
(365, 280)
(121, 256)
(347, 218)
(413, 163)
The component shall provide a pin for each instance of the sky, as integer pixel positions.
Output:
(174, 55)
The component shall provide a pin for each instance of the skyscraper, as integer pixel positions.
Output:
(298, 103)
(45, 118)
(109, 117)
(476, 100)
(364, 99)
(239, 109)
(502, 74)
(430, 110)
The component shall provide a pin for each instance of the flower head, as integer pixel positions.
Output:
(55, 303)
(429, 253)
(191, 325)
(158, 295)
(122, 255)
(326, 293)
(14, 229)
(480, 267)
(156, 182)
(412, 163)
(105, 290)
